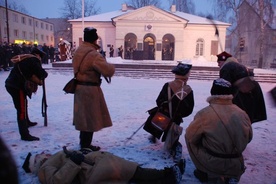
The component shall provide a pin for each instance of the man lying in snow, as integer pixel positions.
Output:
(87, 166)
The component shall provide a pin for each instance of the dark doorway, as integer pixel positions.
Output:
(149, 47)
(130, 45)
(168, 47)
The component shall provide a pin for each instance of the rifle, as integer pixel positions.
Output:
(44, 104)
(129, 138)
(102, 52)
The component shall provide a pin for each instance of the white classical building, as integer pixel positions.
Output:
(150, 33)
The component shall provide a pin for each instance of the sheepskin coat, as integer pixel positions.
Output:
(98, 167)
(222, 128)
(90, 110)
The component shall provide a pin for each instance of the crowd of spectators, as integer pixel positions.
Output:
(8, 50)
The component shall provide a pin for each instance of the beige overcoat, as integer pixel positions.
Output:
(208, 132)
(90, 110)
(98, 167)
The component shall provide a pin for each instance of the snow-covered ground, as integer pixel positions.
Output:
(128, 100)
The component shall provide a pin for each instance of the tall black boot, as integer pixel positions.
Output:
(174, 173)
(176, 151)
(86, 140)
(29, 123)
(24, 132)
(151, 176)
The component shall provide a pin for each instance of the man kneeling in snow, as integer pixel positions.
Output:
(87, 166)
(217, 137)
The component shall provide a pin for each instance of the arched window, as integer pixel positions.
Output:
(199, 47)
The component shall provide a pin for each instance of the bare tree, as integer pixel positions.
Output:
(73, 8)
(266, 13)
(15, 5)
(228, 11)
(262, 25)
(142, 3)
(186, 6)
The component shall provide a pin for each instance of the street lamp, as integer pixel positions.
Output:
(7, 21)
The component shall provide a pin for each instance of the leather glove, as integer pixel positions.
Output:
(77, 158)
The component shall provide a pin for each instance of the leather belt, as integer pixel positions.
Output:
(220, 155)
(88, 83)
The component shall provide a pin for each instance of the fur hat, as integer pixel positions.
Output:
(181, 69)
(33, 163)
(39, 52)
(231, 59)
(221, 87)
(223, 56)
(90, 34)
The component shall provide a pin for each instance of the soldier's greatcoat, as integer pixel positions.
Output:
(90, 110)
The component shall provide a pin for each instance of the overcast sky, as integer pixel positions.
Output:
(51, 8)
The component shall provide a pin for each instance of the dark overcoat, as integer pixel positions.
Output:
(252, 101)
(180, 107)
(182, 101)
(26, 67)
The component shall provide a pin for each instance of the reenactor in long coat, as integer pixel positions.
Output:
(247, 92)
(90, 110)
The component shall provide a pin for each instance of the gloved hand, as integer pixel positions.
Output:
(77, 158)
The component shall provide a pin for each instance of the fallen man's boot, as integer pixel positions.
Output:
(202, 176)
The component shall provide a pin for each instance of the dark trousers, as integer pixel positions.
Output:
(151, 176)
(85, 139)
(20, 103)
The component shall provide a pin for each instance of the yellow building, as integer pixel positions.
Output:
(24, 28)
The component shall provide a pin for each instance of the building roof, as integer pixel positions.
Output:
(104, 17)
(194, 19)
(107, 17)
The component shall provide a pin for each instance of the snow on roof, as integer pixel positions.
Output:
(104, 17)
(107, 17)
(194, 19)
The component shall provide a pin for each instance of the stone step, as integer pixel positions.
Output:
(137, 70)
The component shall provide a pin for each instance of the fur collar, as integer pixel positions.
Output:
(220, 99)
(96, 46)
